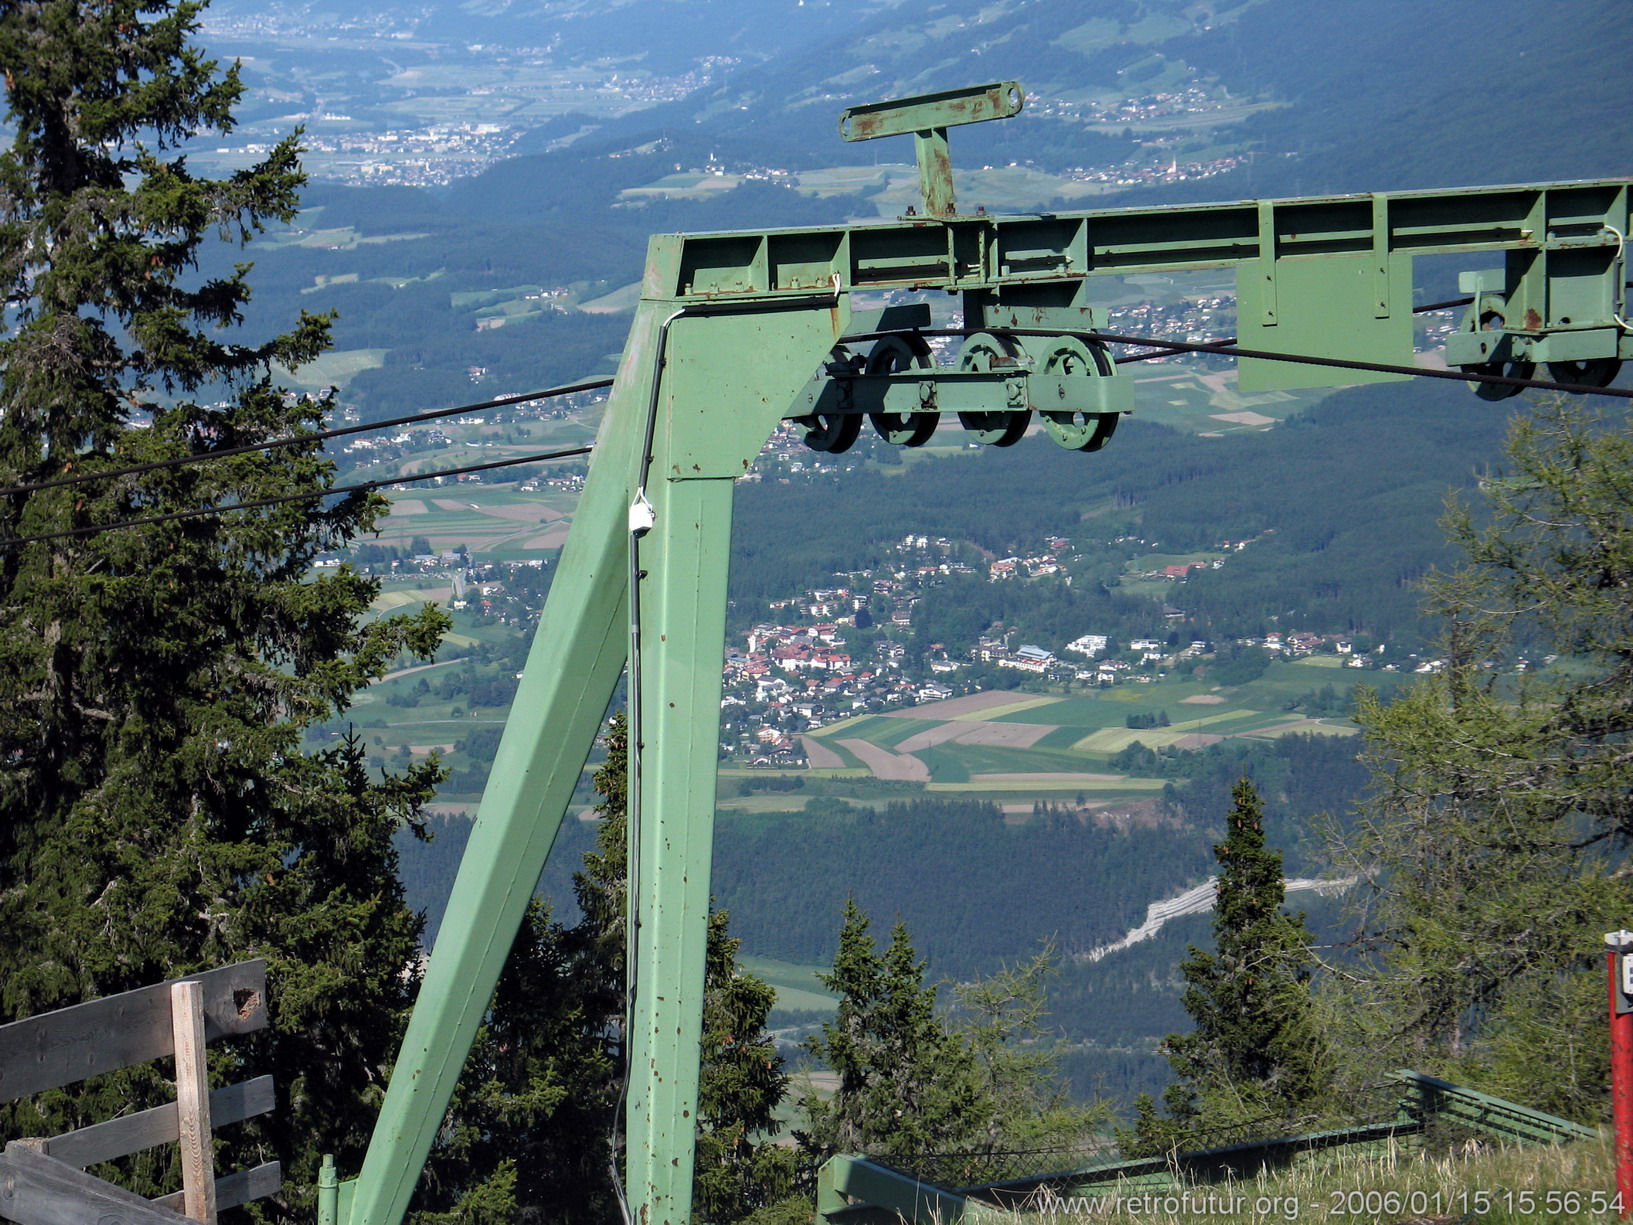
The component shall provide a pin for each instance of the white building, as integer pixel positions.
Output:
(1091, 645)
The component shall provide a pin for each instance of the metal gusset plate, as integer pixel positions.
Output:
(986, 352)
(904, 351)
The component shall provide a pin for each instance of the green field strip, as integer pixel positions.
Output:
(1266, 722)
(798, 987)
(388, 600)
(843, 725)
(1240, 721)
(1025, 791)
(429, 731)
(1183, 717)
(1312, 729)
(1060, 738)
(852, 761)
(439, 521)
(335, 368)
(996, 759)
(780, 801)
(1083, 713)
(891, 732)
(1116, 739)
(946, 765)
(843, 772)
(1320, 661)
(994, 714)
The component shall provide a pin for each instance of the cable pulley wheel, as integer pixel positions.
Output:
(1070, 356)
(1594, 372)
(986, 352)
(890, 355)
(1486, 315)
(833, 432)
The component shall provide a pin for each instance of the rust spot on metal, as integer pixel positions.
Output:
(1533, 321)
(248, 1002)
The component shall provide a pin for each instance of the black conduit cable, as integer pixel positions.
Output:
(302, 439)
(1163, 349)
(261, 503)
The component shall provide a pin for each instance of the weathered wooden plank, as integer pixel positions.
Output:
(59, 1048)
(234, 1189)
(193, 1102)
(40, 1190)
(150, 1128)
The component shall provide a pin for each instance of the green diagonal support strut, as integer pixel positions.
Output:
(577, 655)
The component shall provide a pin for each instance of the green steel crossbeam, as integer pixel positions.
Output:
(1321, 277)
(735, 332)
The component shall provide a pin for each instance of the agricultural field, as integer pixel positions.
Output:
(335, 368)
(489, 520)
(1016, 748)
(1207, 402)
(797, 987)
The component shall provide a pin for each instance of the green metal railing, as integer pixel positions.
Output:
(948, 1188)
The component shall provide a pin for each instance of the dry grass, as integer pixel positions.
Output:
(1489, 1185)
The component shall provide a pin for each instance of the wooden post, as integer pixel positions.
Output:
(193, 1102)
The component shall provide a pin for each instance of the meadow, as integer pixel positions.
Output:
(1048, 747)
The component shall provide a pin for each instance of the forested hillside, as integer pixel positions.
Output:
(1350, 492)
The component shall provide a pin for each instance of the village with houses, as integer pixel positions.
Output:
(809, 668)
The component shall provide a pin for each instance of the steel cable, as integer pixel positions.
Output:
(260, 503)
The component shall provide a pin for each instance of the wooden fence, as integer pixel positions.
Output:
(43, 1181)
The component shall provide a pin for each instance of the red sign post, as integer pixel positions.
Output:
(1620, 958)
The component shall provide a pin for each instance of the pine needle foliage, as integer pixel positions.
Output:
(1256, 1051)
(530, 1134)
(1495, 847)
(159, 812)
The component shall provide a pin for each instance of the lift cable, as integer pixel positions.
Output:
(1160, 348)
(301, 439)
(362, 487)
(1229, 349)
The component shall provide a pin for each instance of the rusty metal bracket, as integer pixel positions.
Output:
(928, 117)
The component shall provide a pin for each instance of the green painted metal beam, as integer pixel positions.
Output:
(727, 381)
(997, 252)
(1323, 276)
(1494, 1116)
(845, 1178)
(729, 331)
(847, 1185)
(928, 117)
(572, 668)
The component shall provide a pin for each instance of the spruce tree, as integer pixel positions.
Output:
(1257, 1049)
(907, 1085)
(159, 812)
(1001, 1018)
